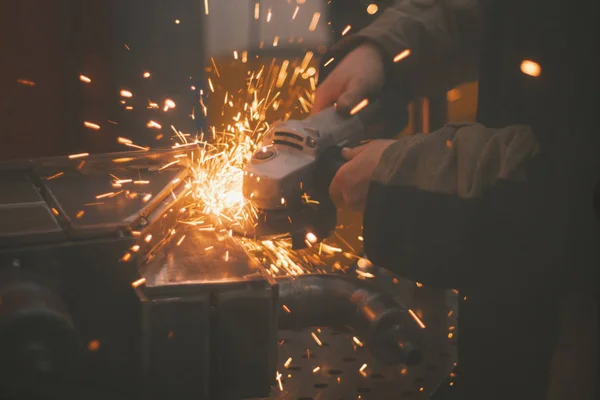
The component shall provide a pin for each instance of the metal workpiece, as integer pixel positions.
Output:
(208, 321)
(338, 301)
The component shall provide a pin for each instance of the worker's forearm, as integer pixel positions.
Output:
(433, 195)
(442, 37)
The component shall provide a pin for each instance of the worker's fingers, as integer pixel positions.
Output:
(349, 153)
(354, 93)
(327, 93)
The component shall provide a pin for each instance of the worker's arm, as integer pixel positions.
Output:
(442, 36)
(435, 44)
(438, 204)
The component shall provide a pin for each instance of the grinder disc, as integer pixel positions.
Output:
(295, 222)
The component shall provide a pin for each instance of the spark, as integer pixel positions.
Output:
(206, 7)
(104, 195)
(256, 10)
(402, 55)
(55, 176)
(295, 12)
(138, 283)
(169, 164)
(146, 75)
(126, 93)
(269, 15)
(287, 310)
(215, 66)
(288, 362)
(372, 9)
(316, 369)
(26, 82)
(91, 125)
(169, 104)
(364, 366)
(365, 274)
(80, 155)
(177, 21)
(358, 342)
(148, 238)
(85, 79)
(316, 338)
(416, 318)
(531, 68)
(328, 62)
(346, 30)
(311, 237)
(154, 124)
(314, 21)
(363, 103)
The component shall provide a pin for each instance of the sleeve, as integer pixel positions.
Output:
(441, 204)
(429, 45)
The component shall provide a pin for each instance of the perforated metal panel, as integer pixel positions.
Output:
(333, 371)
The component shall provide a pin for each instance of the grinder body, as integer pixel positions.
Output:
(283, 169)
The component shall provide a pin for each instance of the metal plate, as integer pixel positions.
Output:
(74, 190)
(24, 216)
(339, 359)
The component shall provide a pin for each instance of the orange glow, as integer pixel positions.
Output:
(94, 345)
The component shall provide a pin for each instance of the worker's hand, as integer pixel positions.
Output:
(350, 185)
(360, 74)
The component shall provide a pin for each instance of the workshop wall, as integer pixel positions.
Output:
(227, 31)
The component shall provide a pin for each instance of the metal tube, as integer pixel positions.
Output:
(392, 336)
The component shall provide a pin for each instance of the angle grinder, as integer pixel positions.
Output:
(288, 177)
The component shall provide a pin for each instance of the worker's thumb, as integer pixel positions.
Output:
(349, 153)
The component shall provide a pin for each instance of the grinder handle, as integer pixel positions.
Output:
(384, 116)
